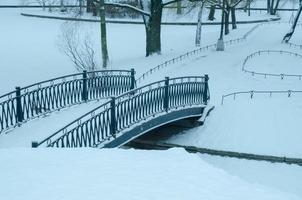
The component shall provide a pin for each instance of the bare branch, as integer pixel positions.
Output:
(80, 52)
(126, 6)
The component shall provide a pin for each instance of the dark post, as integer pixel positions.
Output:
(112, 117)
(206, 90)
(85, 91)
(19, 105)
(166, 94)
(132, 86)
(34, 144)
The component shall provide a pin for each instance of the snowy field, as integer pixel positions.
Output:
(30, 53)
(118, 174)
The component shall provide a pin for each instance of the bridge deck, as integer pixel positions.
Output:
(40, 128)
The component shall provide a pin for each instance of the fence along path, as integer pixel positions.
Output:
(25, 103)
(202, 49)
(112, 120)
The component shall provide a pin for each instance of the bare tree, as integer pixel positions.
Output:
(79, 48)
(290, 33)
(151, 11)
(199, 25)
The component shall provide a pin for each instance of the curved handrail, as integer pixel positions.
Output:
(252, 92)
(34, 100)
(113, 117)
(258, 53)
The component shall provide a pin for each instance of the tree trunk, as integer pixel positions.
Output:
(268, 6)
(276, 7)
(272, 7)
(227, 21)
(81, 7)
(199, 24)
(233, 15)
(62, 7)
(94, 9)
(212, 13)
(89, 6)
(287, 37)
(153, 28)
(222, 20)
(104, 49)
(178, 11)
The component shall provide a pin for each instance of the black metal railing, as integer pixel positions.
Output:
(111, 119)
(265, 75)
(34, 100)
(252, 93)
(199, 50)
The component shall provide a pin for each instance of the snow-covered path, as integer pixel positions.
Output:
(42, 127)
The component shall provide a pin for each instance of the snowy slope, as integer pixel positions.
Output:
(121, 174)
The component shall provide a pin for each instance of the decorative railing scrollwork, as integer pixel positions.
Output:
(113, 118)
(25, 103)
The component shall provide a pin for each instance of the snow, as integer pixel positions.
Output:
(40, 128)
(286, 178)
(264, 64)
(264, 125)
(121, 174)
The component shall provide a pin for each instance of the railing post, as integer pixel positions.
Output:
(19, 110)
(112, 117)
(85, 91)
(166, 94)
(132, 86)
(34, 144)
(206, 89)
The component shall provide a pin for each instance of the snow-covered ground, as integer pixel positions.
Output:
(265, 125)
(119, 174)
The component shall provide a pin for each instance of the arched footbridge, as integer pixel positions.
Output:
(26, 103)
(133, 113)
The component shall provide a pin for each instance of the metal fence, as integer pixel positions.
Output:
(34, 100)
(202, 49)
(299, 46)
(258, 53)
(253, 92)
(109, 120)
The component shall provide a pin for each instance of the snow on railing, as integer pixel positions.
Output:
(26, 103)
(259, 53)
(253, 92)
(108, 121)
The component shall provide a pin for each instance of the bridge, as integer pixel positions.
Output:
(129, 113)
(24, 104)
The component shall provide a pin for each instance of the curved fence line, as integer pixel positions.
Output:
(110, 120)
(251, 93)
(196, 51)
(28, 102)
(259, 53)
